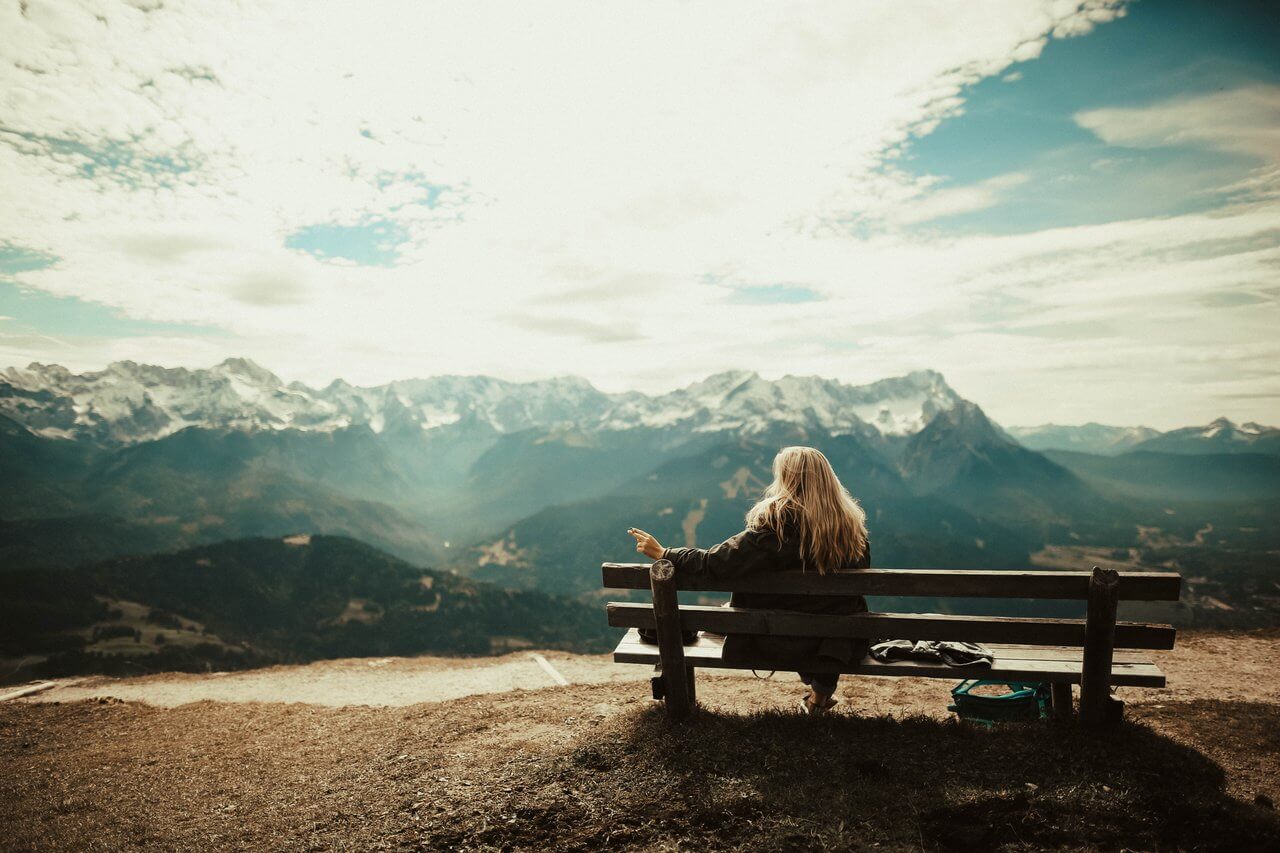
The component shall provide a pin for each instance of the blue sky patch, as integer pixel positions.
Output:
(44, 313)
(14, 260)
(1156, 52)
(431, 191)
(374, 242)
(112, 159)
(773, 294)
(67, 316)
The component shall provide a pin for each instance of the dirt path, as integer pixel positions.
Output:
(375, 682)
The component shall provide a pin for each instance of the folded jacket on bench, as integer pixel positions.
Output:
(950, 652)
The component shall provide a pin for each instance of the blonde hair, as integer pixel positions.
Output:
(807, 494)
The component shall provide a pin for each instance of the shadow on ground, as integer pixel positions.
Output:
(779, 780)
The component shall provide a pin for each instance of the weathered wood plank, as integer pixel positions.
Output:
(948, 583)
(708, 653)
(913, 626)
(1061, 653)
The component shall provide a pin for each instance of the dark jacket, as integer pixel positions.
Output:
(754, 552)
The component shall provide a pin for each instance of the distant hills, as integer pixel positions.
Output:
(1088, 438)
(1220, 436)
(255, 601)
(63, 502)
(1178, 477)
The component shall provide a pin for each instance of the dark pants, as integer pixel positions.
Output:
(820, 682)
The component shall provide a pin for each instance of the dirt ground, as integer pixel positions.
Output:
(441, 753)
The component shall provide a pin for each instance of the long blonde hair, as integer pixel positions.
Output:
(806, 494)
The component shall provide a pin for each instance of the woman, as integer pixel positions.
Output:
(806, 521)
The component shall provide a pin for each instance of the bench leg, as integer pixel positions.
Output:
(1062, 709)
(676, 682)
(1097, 709)
(658, 687)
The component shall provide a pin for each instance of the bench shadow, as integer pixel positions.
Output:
(783, 779)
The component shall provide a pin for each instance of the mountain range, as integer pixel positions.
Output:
(420, 465)
(533, 484)
(128, 403)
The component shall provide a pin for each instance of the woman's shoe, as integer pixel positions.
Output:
(813, 708)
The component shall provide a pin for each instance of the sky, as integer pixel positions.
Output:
(1070, 209)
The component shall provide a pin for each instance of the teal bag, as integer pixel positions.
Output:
(1024, 702)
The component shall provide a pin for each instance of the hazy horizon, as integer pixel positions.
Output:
(1069, 210)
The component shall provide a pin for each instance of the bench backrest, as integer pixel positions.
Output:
(935, 583)
(938, 583)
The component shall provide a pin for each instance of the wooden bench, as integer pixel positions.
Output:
(1059, 651)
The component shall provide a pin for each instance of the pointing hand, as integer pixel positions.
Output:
(646, 544)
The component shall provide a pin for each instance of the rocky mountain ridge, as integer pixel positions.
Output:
(128, 403)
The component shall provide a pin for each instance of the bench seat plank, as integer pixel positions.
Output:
(1062, 653)
(941, 583)
(917, 626)
(1005, 651)
(707, 652)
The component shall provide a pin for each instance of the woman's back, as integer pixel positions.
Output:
(757, 552)
(784, 556)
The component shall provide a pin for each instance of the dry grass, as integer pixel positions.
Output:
(590, 765)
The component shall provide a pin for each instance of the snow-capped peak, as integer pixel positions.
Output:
(1217, 427)
(248, 370)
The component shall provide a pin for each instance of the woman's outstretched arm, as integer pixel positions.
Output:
(745, 553)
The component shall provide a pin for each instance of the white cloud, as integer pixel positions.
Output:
(1244, 121)
(1241, 121)
(595, 164)
(950, 201)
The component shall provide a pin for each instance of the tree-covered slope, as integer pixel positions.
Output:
(260, 600)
